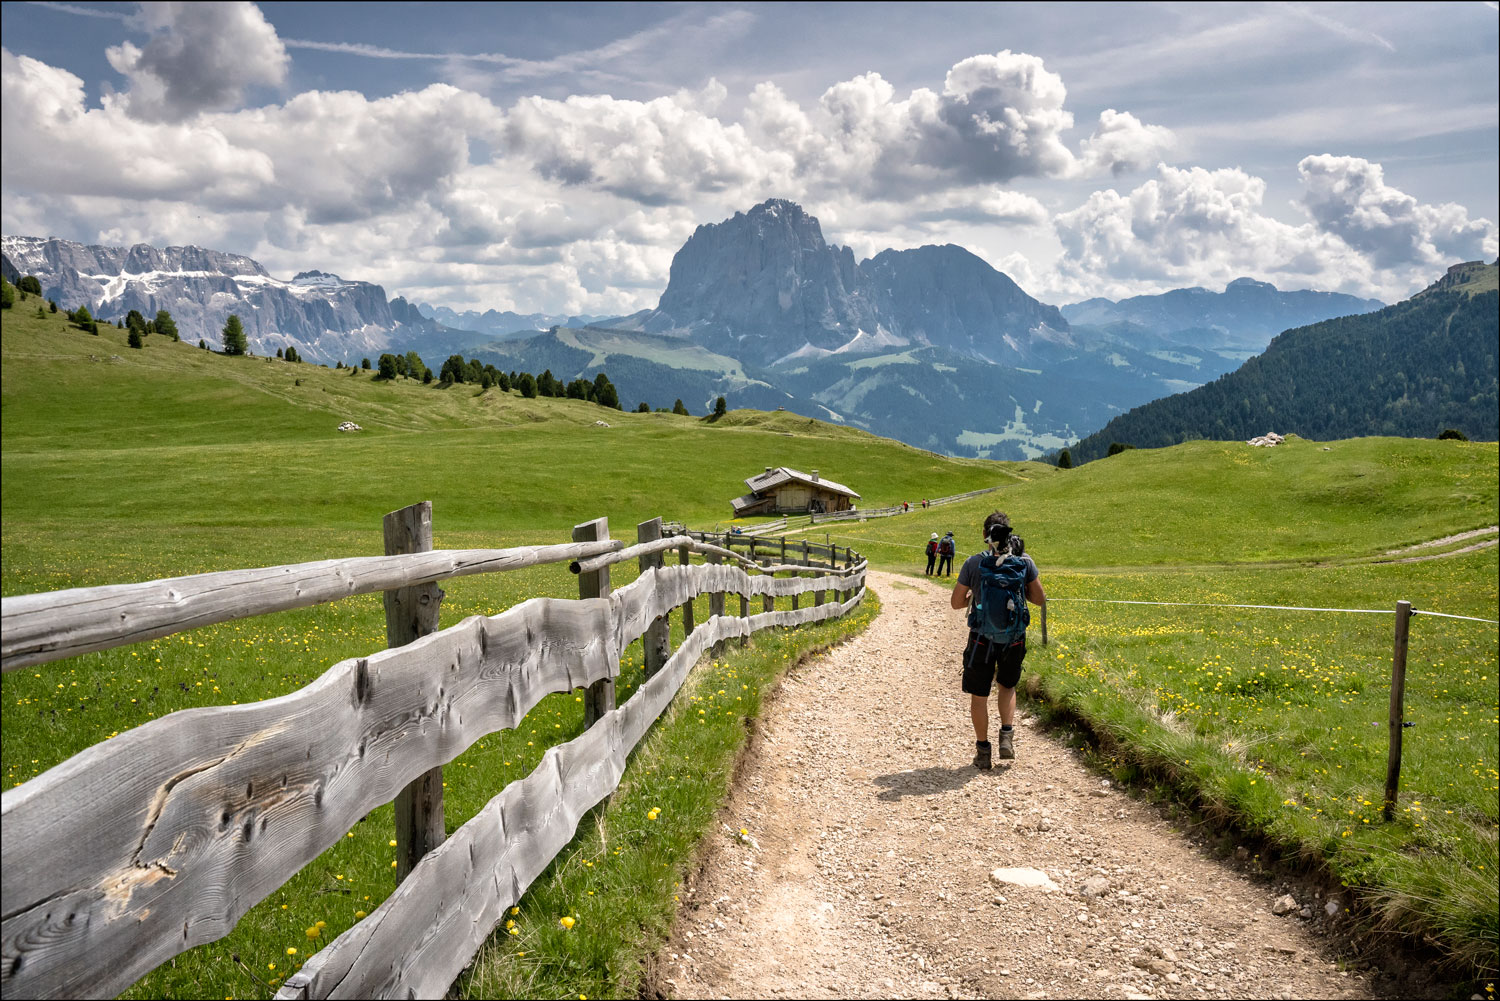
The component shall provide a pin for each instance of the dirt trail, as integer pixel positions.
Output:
(867, 869)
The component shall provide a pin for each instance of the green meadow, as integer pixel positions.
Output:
(122, 465)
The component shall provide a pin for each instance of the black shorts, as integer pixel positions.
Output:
(985, 663)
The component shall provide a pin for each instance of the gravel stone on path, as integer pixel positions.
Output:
(872, 840)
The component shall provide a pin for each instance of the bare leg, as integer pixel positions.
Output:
(1007, 701)
(979, 712)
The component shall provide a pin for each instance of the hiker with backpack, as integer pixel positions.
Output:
(945, 556)
(995, 585)
(932, 548)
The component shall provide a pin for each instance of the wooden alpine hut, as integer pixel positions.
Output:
(782, 490)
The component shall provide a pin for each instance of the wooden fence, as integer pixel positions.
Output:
(160, 839)
(788, 553)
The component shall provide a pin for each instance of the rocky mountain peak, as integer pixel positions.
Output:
(765, 284)
(768, 273)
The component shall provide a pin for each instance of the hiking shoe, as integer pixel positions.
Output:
(982, 754)
(1007, 748)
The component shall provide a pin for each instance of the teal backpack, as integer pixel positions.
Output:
(999, 613)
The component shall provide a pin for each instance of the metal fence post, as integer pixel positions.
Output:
(1398, 697)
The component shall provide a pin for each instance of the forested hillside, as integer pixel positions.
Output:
(1412, 370)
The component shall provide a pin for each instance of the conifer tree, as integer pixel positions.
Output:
(166, 326)
(678, 408)
(604, 392)
(234, 336)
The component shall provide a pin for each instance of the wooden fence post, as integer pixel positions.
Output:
(744, 614)
(783, 549)
(656, 644)
(804, 552)
(715, 598)
(1398, 696)
(598, 698)
(1044, 623)
(684, 558)
(411, 612)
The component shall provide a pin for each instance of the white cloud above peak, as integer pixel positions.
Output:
(200, 57)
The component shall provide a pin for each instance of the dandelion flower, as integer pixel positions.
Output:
(566, 921)
(291, 950)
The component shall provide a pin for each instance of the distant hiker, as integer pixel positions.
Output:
(932, 548)
(945, 556)
(995, 586)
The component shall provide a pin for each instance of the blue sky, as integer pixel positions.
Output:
(553, 157)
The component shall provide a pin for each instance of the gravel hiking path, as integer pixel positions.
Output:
(867, 867)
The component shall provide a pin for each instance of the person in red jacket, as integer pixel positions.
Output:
(932, 548)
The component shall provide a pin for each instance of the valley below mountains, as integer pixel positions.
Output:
(929, 345)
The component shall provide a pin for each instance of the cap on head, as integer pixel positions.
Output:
(934, 535)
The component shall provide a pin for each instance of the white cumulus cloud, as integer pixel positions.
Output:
(1348, 196)
(200, 57)
(1207, 227)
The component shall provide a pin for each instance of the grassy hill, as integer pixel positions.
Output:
(122, 465)
(98, 434)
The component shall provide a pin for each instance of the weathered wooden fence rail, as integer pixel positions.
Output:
(36, 628)
(788, 554)
(141, 847)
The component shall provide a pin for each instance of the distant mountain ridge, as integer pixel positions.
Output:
(1411, 370)
(327, 318)
(931, 344)
(499, 323)
(1244, 317)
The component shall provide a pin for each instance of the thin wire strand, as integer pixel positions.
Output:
(1279, 608)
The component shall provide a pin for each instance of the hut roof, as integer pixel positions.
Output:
(785, 474)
